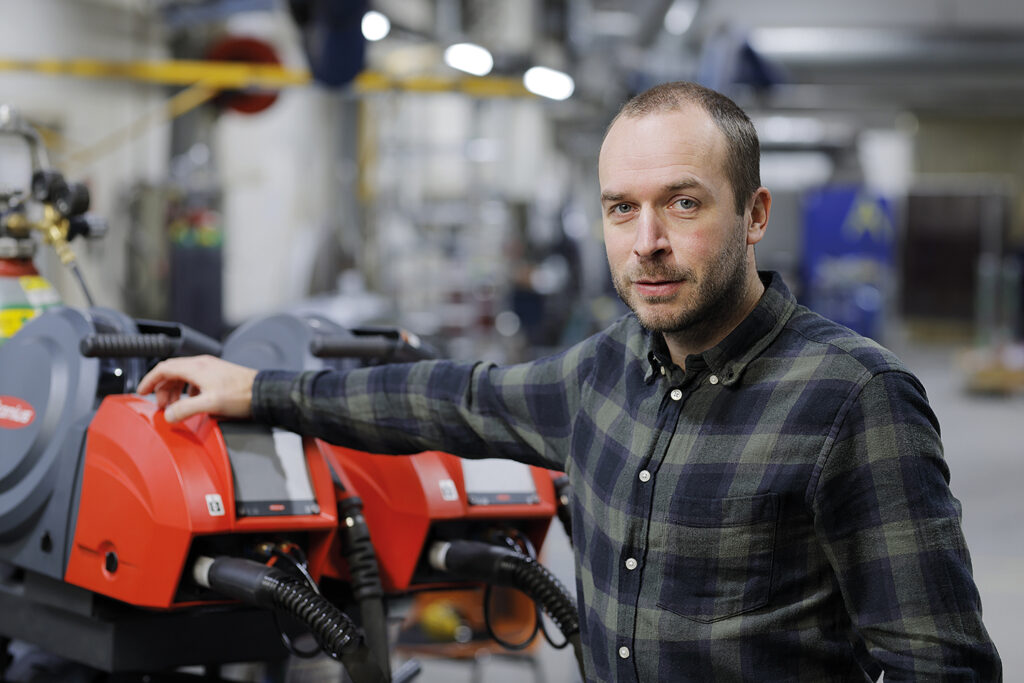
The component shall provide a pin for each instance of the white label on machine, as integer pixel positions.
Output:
(448, 490)
(214, 504)
(494, 481)
(293, 463)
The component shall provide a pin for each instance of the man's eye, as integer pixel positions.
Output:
(686, 204)
(623, 208)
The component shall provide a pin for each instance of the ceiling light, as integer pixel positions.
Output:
(470, 58)
(679, 16)
(375, 26)
(555, 85)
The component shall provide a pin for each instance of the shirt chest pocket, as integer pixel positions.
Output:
(719, 556)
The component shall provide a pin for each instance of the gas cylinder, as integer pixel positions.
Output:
(24, 294)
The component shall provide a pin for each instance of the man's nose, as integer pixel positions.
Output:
(651, 238)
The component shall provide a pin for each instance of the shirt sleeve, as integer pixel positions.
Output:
(521, 412)
(891, 529)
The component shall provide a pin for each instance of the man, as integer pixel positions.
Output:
(758, 493)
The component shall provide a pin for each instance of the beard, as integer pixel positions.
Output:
(707, 308)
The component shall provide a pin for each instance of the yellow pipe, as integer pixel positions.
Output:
(217, 75)
(220, 75)
(489, 86)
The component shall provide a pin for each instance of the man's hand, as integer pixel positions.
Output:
(214, 386)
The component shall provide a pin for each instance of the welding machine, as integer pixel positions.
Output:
(113, 522)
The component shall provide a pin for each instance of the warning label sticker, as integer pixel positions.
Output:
(39, 291)
(11, 320)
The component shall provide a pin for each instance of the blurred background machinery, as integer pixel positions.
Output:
(431, 164)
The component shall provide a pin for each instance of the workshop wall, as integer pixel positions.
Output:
(76, 114)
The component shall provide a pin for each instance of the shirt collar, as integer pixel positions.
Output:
(730, 357)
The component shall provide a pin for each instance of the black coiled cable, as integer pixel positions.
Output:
(331, 627)
(534, 579)
(507, 567)
(265, 586)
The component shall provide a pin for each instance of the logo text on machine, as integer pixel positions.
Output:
(15, 413)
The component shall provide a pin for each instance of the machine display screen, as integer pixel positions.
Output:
(498, 482)
(269, 470)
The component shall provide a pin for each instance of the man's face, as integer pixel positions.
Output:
(676, 247)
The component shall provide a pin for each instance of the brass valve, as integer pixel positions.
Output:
(54, 227)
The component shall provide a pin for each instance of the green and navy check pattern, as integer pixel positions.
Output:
(780, 511)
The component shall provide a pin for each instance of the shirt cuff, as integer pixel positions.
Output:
(271, 396)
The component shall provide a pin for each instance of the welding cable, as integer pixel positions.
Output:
(296, 559)
(364, 572)
(563, 493)
(258, 584)
(500, 566)
(520, 543)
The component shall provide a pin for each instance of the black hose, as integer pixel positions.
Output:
(265, 586)
(563, 492)
(364, 572)
(505, 567)
(81, 283)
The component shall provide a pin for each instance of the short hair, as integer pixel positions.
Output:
(743, 151)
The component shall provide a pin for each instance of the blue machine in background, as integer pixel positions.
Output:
(849, 244)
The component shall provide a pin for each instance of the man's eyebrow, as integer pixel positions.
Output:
(688, 184)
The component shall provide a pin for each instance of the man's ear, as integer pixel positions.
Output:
(757, 215)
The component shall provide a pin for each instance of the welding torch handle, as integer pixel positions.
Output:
(129, 345)
(147, 345)
(367, 348)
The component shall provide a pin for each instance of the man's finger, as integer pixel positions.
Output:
(184, 370)
(187, 407)
(164, 371)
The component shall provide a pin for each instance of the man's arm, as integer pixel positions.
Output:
(522, 412)
(891, 529)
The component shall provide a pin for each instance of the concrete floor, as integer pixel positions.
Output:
(984, 444)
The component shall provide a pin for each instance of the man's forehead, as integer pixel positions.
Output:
(669, 141)
(687, 124)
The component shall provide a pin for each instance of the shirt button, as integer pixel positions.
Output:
(631, 564)
(676, 394)
(713, 379)
(663, 371)
(624, 652)
(645, 476)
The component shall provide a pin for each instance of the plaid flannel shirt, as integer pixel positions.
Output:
(779, 511)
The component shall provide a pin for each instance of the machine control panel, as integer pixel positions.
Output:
(493, 481)
(269, 470)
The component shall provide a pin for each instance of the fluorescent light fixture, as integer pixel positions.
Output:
(375, 26)
(470, 58)
(555, 85)
(791, 130)
(680, 16)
